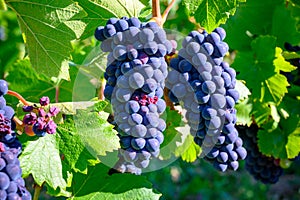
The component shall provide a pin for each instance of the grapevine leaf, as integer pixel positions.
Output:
(210, 14)
(72, 148)
(171, 135)
(41, 159)
(272, 143)
(97, 184)
(290, 55)
(36, 85)
(256, 66)
(281, 64)
(96, 133)
(48, 28)
(243, 113)
(251, 19)
(261, 113)
(291, 125)
(100, 11)
(292, 146)
(284, 26)
(189, 150)
(274, 88)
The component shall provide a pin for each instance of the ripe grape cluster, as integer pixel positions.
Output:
(262, 168)
(206, 86)
(12, 185)
(135, 75)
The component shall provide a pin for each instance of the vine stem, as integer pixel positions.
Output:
(156, 14)
(101, 90)
(17, 95)
(167, 10)
(169, 103)
(37, 191)
(56, 94)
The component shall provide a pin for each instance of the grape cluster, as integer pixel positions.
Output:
(39, 122)
(135, 74)
(206, 85)
(12, 185)
(262, 168)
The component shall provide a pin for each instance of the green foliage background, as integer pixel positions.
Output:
(47, 46)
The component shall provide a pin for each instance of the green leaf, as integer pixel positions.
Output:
(243, 113)
(256, 66)
(35, 85)
(281, 64)
(97, 184)
(210, 14)
(261, 113)
(172, 135)
(293, 141)
(284, 26)
(72, 148)
(96, 133)
(41, 159)
(99, 11)
(189, 150)
(274, 88)
(272, 143)
(48, 27)
(251, 19)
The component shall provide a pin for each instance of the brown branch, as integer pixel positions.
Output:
(156, 8)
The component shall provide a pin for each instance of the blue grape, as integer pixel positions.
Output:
(211, 83)
(2, 102)
(135, 75)
(136, 80)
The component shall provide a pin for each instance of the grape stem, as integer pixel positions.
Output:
(20, 125)
(101, 91)
(169, 103)
(37, 191)
(167, 10)
(156, 14)
(56, 94)
(17, 95)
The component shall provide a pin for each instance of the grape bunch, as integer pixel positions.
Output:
(262, 168)
(135, 75)
(206, 85)
(39, 122)
(12, 185)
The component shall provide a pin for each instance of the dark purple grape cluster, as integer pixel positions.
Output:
(206, 85)
(135, 75)
(263, 168)
(7, 125)
(39, 122)
(12, 185)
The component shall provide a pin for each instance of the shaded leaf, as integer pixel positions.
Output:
(97, 184)
(48, 28)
